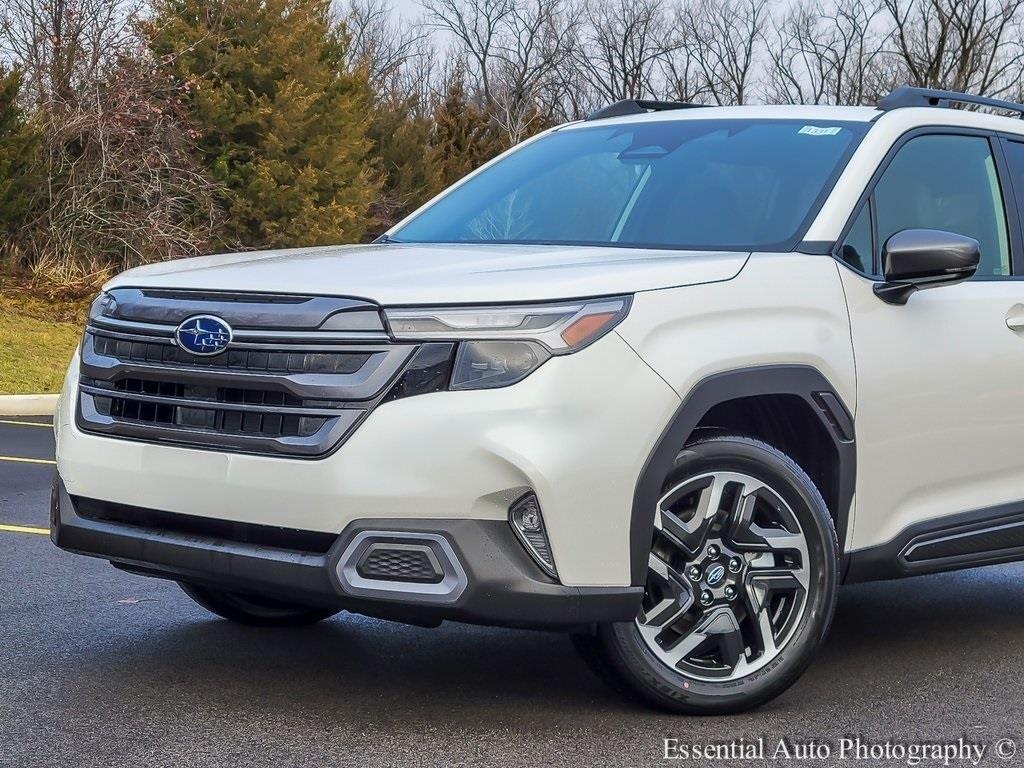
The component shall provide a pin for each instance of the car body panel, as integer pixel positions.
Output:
(399, 274)
(939, 410)
(782, 309)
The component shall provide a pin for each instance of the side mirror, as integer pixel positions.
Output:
(915, 259)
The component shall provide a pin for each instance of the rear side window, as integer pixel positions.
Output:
(948, 183)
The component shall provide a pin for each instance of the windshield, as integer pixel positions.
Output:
(690, 184)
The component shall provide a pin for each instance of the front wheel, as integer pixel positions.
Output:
(741, 583)
(254, 610)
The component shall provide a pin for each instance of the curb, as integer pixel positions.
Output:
(28, 405)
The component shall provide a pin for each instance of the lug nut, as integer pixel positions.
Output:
(693, 572)
(713, 551)
(706, 598)
(735, 564)
(730, 592)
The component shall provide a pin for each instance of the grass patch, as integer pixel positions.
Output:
(34, 354)
(38, 335)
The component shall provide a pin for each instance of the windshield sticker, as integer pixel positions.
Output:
(816, 130)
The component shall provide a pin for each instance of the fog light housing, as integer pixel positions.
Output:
(528, 523)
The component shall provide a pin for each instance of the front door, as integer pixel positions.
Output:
(940, 381)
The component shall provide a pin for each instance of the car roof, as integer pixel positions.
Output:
(746, 112)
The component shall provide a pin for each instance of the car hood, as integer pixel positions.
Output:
(404, 274)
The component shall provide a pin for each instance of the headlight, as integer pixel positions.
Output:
(502, 345)
(561, 328)
(104, 305)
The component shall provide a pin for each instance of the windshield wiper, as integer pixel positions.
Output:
(385, 239)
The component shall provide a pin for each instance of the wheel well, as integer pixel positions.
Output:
(786, 422)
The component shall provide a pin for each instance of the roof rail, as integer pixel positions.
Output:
(932, 97)
(638, 107)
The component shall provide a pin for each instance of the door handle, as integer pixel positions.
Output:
(1015, 318)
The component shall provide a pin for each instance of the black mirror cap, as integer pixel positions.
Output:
(914, 259)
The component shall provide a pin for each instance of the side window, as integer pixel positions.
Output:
(1015, 159)
(949, 183)
(858, 250)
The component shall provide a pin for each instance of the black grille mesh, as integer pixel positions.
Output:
(394, 564)
(248, 360)
(231, 421)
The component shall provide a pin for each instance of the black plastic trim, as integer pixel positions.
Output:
(816, 247)
(907, 554)
(639, 107)
(504, 587)
(908, 96)
(804, 381)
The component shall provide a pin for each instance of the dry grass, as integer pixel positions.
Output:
(39, 331)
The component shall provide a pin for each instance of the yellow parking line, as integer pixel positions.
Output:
(27, 423)
(23, 460)
(25, 529)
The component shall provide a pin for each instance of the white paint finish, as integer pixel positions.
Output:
(578, 431)
(782, 309)
(442, 274)
(887, 129)
(939, 412)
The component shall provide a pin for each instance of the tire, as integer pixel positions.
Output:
(253, 610)
(698, 660)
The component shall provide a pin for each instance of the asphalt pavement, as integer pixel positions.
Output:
(101, 668)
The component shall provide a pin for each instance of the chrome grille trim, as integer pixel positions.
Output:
(266, 336)
(264, 311)
(288, 389)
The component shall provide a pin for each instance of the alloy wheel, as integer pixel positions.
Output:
(727, 579)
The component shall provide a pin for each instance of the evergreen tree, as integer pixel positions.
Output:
(18, 143)
(411, 175)
(282, 124)
(464, 136)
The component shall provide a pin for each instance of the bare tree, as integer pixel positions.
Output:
(124, 186)
(64, 44)
(381, 43)
(512, 50)
(964, 45)
(622, 45)
(826, 55)
(681, 74)
(724, 38)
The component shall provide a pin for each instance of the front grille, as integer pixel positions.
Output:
(122, 404)
(293, 384)
(247, 360)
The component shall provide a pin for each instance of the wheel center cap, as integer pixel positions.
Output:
(715, 575)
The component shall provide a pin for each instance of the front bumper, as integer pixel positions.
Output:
(499, 584)
(577, 433)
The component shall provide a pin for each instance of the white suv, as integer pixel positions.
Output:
(662, 378)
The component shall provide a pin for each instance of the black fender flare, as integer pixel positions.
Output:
(801, 380)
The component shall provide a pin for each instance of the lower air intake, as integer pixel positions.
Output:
(400, 562)
(401, 565)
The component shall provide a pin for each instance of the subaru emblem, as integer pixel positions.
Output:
(715, 576)
(203, 335)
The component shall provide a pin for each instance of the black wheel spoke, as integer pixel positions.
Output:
(673, 594)
(690, 526)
